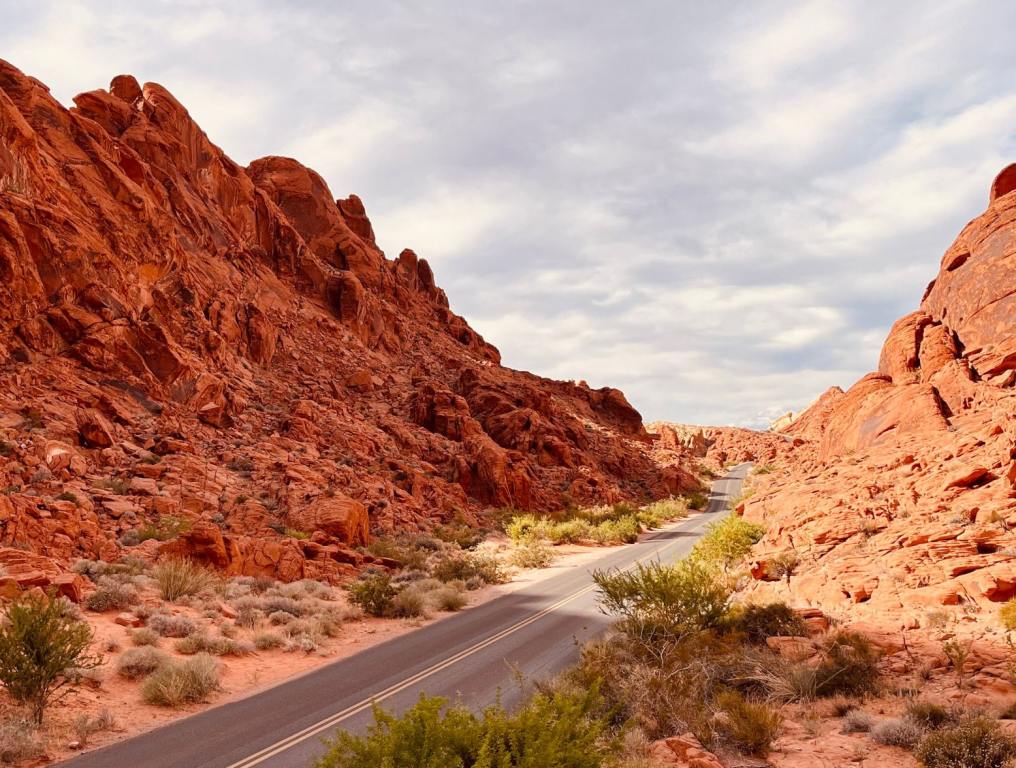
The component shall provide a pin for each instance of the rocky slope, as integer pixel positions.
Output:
(213, 356)
(899, 505)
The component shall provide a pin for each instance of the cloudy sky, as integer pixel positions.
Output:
(718, 207)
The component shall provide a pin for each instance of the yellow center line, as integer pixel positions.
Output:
(332, 720)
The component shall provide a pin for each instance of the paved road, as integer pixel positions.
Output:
(472, 656)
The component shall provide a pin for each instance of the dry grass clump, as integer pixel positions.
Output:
(267, 641)
(897, 732)
(178, 578)
(186, 682)
(217, 646)
(112, 595)
(1007, 614)
(144, 636)
(18, 741)
(749, 726)
(759, 622)
(857, 721)
(532, 552)
(170, 625)
(85, 725)
(136, 663)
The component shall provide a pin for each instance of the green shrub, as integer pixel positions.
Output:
(655, 514)
(135, 663)
(459, 534)
(757, 622)
(659, 600)
(1007, 614)
(167, 527)
(185, 682)
(521, 527)
(750, 726)
(728, 541)
(39, 642)
(559, 730)
(974, 743)
(373, 592)
(849, 666)
(178, 577)
(697, 501)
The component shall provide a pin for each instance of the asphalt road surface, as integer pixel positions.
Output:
(472, 657)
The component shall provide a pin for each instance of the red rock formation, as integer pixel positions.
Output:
(902, 501)
(189, 346)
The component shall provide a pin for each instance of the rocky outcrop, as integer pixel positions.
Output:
(217, 357)
(900, 502)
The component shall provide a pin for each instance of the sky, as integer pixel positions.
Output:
(719, 207)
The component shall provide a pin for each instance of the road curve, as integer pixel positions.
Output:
(474, 657)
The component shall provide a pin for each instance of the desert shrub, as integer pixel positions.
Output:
(183, 682)
(447, 598)
(409, 551)
(1007, 614)
(280, 618)
(39, 642)
(897, 732)
(327, 625)
(274, 603)
(373, 592)
(85, 725)
(521, 527)
(169, 625)
(660, 601)
(929, 715)
(409, 603)
(266, 641)
(559, 730)
(659, 512)
(757, 622)
(532, 553)
(144, 636)
(849, 666)
(489, 568)
(111, 596)
(697, 501)
(179, 577)
(973, 743)
(781, 679)
(248, 618)
(18, 741)
(750, 726)
(728, 541)
(135, 663)
(783, 565)
(459, 534)
(166, 528)
(622, 531)
(857, 721)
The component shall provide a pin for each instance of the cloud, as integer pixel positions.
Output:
(718, 208)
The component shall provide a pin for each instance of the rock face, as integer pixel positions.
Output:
(900, 502)
(218, 354)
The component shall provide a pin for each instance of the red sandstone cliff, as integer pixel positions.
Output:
(902, 500)
(187, 342)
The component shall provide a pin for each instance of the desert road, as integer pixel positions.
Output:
(471, 657)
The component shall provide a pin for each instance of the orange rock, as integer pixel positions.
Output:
(684, 752)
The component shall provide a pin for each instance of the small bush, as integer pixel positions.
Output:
(145, 636)
(18, 741)
(184, 682)
(857, 721)
(447, 598)
(974, 743)
(757, 622)
(169, 625)
(111, 596)
(532, 553)
(750, 726)
(136, 663)
(897, 732)
(1007, 614)
(409, 603)
(929, 715)
(279, 618)
(39, 642)
(266, 641)
(373, 592)
(659, 600)
(274, 603)
(849, 666)
(178, 577)
(728, 541)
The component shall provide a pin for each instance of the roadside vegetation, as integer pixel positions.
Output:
(603, 525)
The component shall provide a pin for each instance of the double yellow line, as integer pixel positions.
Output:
(332, 720)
